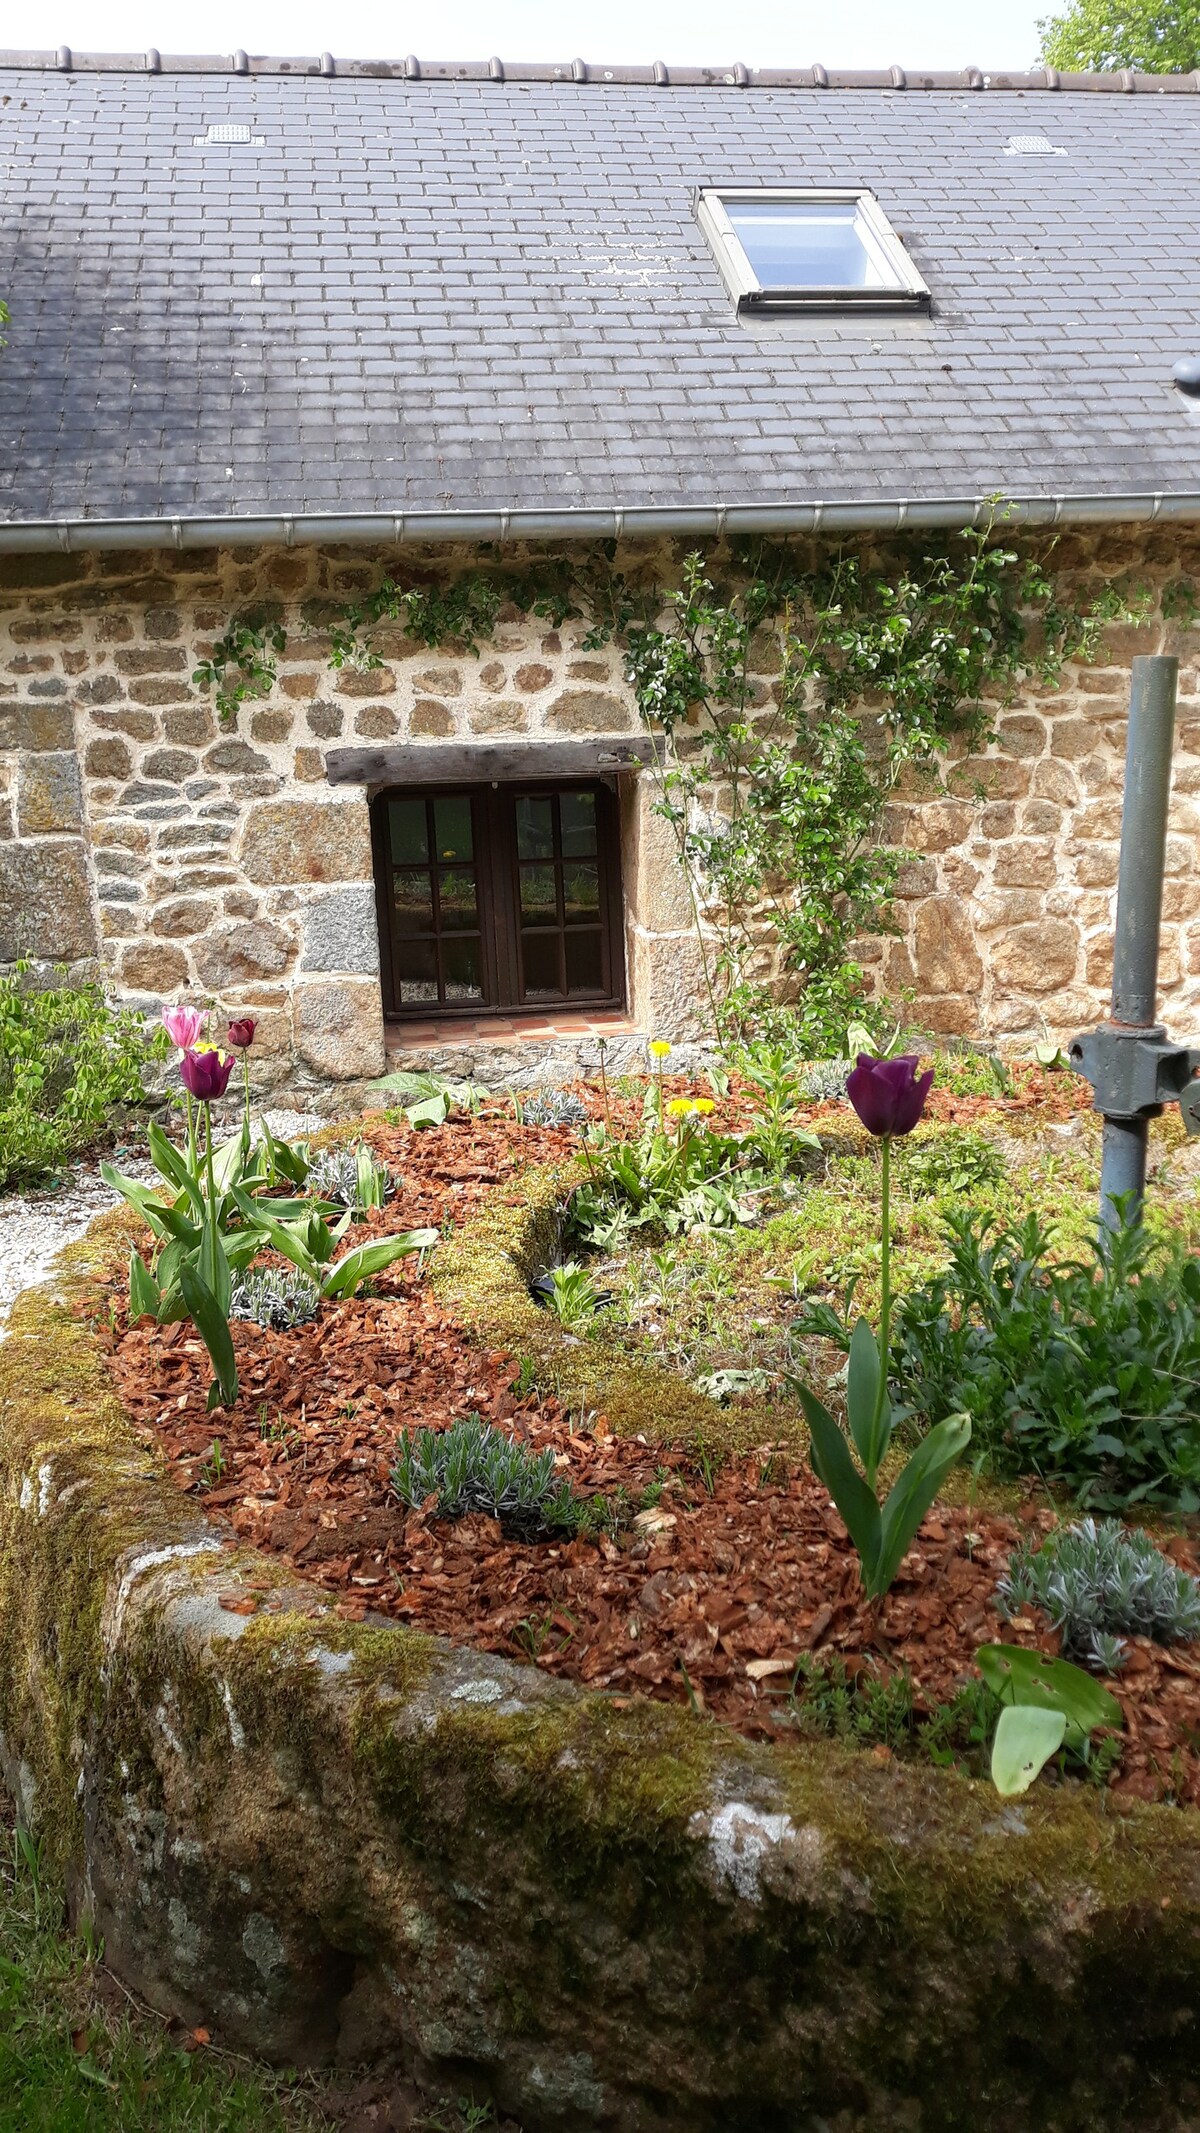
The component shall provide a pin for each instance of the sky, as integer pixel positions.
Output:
(859, 33)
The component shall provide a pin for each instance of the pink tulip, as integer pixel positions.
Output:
(206, 1074)
(184, 1026)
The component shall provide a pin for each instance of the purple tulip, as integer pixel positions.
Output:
(241, 1033)
(888, 1094)
(206, 1073)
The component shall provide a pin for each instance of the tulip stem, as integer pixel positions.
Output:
(208, 1161)
(885, 1302)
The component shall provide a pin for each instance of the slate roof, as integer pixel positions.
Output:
(483, 291)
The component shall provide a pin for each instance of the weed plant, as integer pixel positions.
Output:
(1085, 1371)
(70, 1063)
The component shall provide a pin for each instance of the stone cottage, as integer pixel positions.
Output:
(280, 328)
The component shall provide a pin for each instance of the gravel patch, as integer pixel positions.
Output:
(34, 1226)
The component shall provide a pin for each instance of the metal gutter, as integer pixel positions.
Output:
(640, 522)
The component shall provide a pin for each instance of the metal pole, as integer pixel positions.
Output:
(1139, 907)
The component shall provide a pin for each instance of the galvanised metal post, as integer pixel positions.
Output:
(1139, 908)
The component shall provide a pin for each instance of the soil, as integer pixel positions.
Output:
(713, 1584)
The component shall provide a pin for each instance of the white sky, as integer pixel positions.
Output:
(859, 33)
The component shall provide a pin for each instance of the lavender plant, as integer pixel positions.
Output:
(277, 1298)
(1097, 1579)
(473, 1467)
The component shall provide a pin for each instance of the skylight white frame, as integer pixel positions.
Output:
(904, 290)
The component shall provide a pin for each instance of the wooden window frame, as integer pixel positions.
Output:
(498, 890)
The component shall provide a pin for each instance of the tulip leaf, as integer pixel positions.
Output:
(213, 1266)
(145, 1295)
(912, 1494)
(833, 1466)
(170, 1165)
(366, 1259)
(1027, 1735)
(870, 1419)
(213, 1327)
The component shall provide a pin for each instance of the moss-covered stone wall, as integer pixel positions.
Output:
(349, 1841)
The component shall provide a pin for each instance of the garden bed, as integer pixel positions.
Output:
(713, 1574)
(335, 1838)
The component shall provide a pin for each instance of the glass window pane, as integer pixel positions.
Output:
(577, 814)
(416, 970)
(581, 891)
(462, 965)
(408, 831)
(539, 901)
(539, 963)
(584, 968)
(412, 899)
(456, 890)
(452, 827)
(793, 244)
(535, 828)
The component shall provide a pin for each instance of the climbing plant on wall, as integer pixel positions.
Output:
(789, 692)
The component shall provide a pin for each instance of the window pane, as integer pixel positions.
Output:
(408, 831)
(413, 900)
(416, 970)
(535, 828)
(539, 962)
(581, 892)
(796, 245)
(539, 903)
(462, 965)
(456, 890)
(584, 970)
(577, 813)
(452, 827)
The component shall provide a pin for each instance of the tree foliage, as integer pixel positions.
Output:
(1102, 36)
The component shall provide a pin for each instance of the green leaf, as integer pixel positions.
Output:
(1026, 1738)
(213, 1266)
(1019, 1676)
(170, 1165)
(213, 1327)
(870, 1423)
(433, 1112)
(229, 1162)
(367, 1259)
(913, 1492)
(832, 1465)
(144, 1293)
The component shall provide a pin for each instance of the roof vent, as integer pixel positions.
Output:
(1031, 144)
(1187, 376)
(219, 136)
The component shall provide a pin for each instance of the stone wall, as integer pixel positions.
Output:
(189, 858)
(137, 833)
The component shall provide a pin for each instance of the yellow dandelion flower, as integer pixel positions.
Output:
(659, 1047)
(689, 1106)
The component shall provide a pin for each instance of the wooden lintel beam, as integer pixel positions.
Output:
(487, 762)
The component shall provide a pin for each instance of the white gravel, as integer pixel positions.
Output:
(34, 1226)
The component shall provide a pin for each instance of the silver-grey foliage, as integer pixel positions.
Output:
(554, 1107)
(473, 1467)
(825, 1079)
(275, 1297)
(337, 1174)
(1096, 1579)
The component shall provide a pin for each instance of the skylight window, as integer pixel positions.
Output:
(807, 251)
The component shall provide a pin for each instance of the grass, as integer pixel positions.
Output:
(79, 2055)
